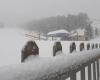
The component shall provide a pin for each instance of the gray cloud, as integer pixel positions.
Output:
(19, 11)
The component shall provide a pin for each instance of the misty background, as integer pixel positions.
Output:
(42, 16)
(19, 12)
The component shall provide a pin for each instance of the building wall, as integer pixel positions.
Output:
(79, 38)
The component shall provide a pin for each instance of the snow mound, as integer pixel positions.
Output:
(11, 43)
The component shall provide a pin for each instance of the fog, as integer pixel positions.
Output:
(21, 11)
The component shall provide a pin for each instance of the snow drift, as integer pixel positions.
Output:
(11, 43)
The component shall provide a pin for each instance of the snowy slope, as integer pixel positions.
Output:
(11, 43)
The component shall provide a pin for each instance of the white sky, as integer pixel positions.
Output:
(19, 11)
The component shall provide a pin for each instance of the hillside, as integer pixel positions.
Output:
(69, 23)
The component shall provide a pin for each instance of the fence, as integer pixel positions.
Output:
(70, 70)
(46, 47)
(59, 67)
(56, 68)
(71, 64)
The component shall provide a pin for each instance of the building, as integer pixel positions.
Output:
(59, 34)
(78, 35)
(96, 28)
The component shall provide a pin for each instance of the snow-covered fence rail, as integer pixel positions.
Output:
(60, 67)
(67, 46)
(49, 48)
(86, 57)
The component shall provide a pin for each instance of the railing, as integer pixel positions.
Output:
(70, 70)
(60, 67)
(57, 68)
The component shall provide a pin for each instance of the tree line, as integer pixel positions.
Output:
(69, 23)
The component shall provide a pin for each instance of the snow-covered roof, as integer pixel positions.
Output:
(78, 31)
(58, 31)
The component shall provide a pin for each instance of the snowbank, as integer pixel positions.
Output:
(11, 43)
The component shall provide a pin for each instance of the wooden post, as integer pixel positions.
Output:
(73, 76)
(98, 69)
(94, 71)
(83, 73)
(89, 72)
